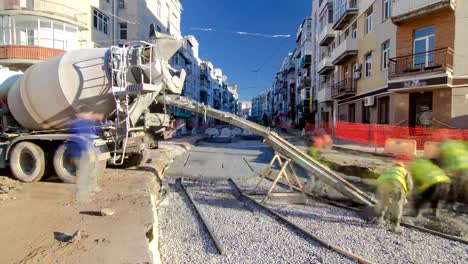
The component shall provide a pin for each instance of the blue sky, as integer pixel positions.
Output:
(239, 55)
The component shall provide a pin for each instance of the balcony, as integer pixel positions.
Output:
(344, 11)
(439, 60)
(347, 48)
(344, 89)
(324, 94)
(26, 54)
(403, 10)
(48, 9)
(326, 36)
(325, 66)
(305, 82)
(306, 61)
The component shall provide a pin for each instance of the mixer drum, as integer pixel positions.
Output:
(48, 94)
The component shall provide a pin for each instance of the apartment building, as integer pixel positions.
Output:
(291, 101)
(392, 62)
(35, 30)
(365, 39)
(244, 109)
(262, 106)
(428, 78)
(304, 88)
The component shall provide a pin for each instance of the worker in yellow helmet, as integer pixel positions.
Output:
(454, 160)
(431, 185)
(393, 186)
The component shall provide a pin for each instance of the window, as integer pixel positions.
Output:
(384, 110)
(369, 21)
(121, 4)
(385, 54)
(175, 19)
(354, 31)
(423, 44)
(123, 30)
(100, 21)
(368, 65)
(152, 31)
(158, 9)
(387, 9)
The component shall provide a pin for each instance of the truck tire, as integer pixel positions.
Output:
(27, 162)
(63, 165)
(66, 169)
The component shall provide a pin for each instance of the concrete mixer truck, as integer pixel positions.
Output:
(121, 83)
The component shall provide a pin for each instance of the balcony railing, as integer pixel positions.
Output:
(404, 9)
(49, 7)
(349, 47)
(423, 62)
(326, 36)
(344, 10)
(345, 88)
(28, 53)
(324, 94)
(306, 61)
(325, 66)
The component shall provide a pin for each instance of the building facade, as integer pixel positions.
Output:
(290, 101)
(244, 109)
(392, 62)
(35, 30)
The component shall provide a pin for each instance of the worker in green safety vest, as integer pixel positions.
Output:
(454, 160)
(393, 186)
(431, 185)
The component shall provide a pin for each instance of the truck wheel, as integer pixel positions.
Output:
(66, 169)
(27, 162)
(63, 165)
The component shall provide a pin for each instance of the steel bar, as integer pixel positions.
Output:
(210, 231)
(406, 224)
(300, 230)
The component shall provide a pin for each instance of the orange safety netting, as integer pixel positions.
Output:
(376, 135)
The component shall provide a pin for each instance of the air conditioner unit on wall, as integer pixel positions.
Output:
(369, 101)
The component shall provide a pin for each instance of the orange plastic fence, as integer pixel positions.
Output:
(376, 135)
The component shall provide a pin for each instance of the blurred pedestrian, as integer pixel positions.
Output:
(393, 188)
(454, 160)
(82, 152)
(431, 185)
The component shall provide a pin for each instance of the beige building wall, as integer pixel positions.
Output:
(461, 39)
(372, 43)
(138, 14)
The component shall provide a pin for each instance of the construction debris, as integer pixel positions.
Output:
(107, 212)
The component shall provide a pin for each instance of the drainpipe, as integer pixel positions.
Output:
(114, 20)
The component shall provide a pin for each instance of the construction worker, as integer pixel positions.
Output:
(431, 185)
(454, 160)
(393, 186)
